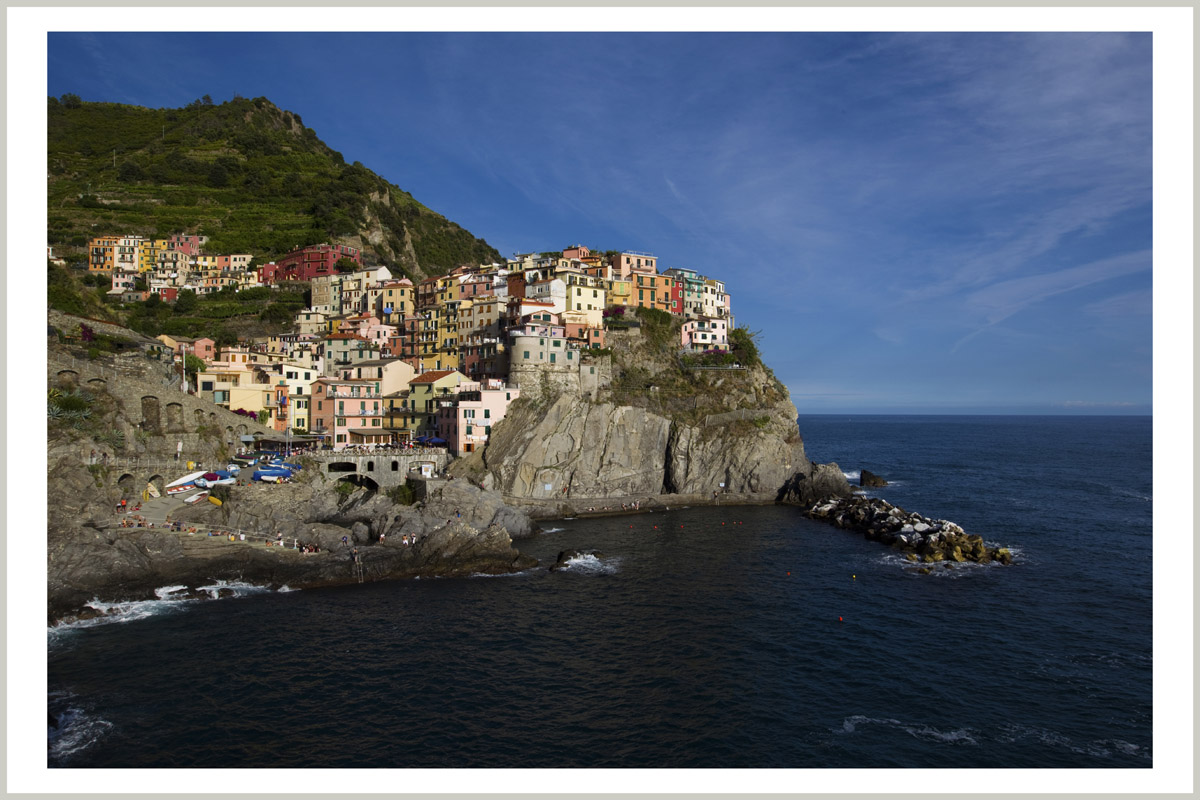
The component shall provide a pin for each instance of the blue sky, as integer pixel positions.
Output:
(916, 223)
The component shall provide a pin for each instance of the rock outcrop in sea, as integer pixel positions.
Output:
(922, 539)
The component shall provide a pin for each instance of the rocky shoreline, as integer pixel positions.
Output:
(922, 540)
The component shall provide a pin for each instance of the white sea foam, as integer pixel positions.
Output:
(553, 530)
(1102, 748)
(588, 564)
(503, 574)
(924, 732)
(236, 588)
(171, 599)
(852, 475)
(77, 730)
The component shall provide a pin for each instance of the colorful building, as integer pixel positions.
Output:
(466, 421)
(308, 263)
(347, 411)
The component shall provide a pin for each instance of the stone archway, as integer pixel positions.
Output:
(98, 384)
(199, 413)
(175, 418)
(341, 466)
(151, 422)
(361, 481)
(370, 466)
(159, 483)
(395, 466)
(67, 377)
(128, 485)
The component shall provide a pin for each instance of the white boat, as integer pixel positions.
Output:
(195, 498)
(186, 483)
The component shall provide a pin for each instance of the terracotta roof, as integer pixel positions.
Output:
(431, 377)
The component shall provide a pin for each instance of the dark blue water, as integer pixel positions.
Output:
(728, 637)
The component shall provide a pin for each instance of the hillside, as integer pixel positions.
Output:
(245, 173)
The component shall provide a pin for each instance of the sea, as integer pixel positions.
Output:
(713, 637)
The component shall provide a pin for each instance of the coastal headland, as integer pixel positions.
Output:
(653, 437)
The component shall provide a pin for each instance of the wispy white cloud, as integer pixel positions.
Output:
(1127, 304)
(999, 301)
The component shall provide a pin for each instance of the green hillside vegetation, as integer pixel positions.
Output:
(223, 316)
(245, 173)
(650, 373)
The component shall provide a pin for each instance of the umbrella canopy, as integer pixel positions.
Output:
(436, 440)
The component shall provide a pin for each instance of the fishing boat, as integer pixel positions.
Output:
(184, 484)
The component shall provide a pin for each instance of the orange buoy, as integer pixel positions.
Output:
(839, 619)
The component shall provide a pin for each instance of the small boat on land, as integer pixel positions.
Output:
(218, 478)
(184, 484)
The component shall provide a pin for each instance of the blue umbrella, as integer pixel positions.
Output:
(436, 440)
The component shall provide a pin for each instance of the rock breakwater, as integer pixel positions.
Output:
(923, 540)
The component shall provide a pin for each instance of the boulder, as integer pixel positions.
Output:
(868, 479)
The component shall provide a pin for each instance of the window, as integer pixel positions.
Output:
(487, 413)
(526, 356)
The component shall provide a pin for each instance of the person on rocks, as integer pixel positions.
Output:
(354, 555)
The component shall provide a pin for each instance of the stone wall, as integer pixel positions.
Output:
(155, 416)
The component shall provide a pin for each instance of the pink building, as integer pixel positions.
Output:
(705, 333)
(347, 412)
(466, 421)
(189, 245)
(585, 335)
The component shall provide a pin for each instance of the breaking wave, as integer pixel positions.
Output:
(169, 600)
(71, 729)
(588, 564)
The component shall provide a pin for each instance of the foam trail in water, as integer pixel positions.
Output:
(924, 732)
(553, 530)
(852, 475)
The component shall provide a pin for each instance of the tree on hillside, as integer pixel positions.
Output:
(194, 364)
(186, 302)
(346, 264)
(71, 100)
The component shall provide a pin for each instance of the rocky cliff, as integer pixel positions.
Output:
(659, 429)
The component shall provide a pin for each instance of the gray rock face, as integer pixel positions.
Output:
(574, 448)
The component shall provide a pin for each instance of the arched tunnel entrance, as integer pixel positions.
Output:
(361, 481)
